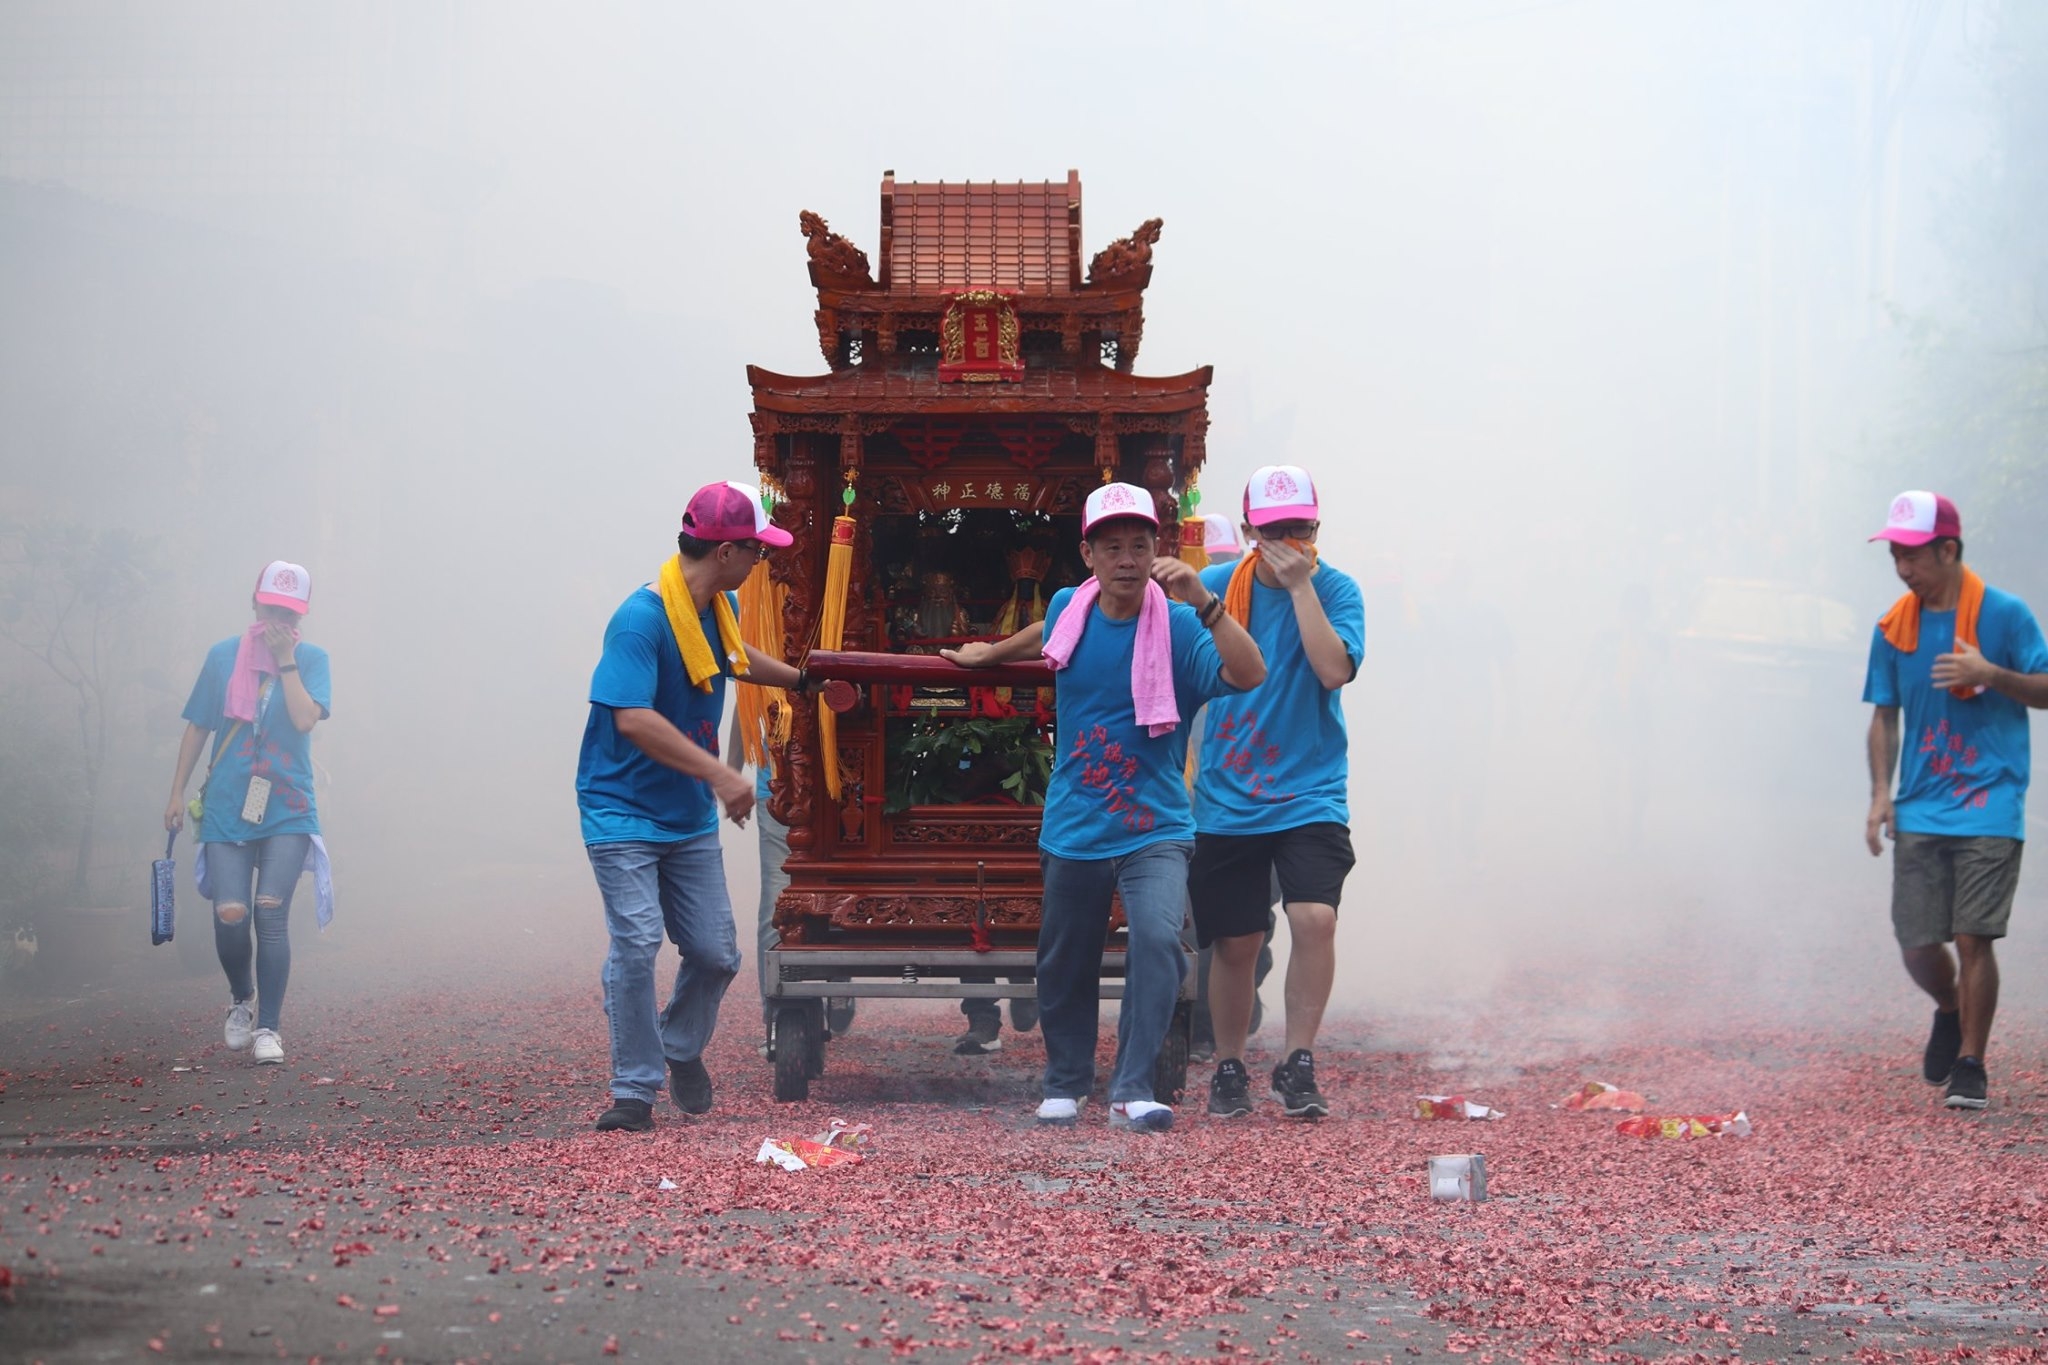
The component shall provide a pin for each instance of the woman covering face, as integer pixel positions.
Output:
(258, 696)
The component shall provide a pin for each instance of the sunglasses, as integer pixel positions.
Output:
(760, 549)
(1290, 530)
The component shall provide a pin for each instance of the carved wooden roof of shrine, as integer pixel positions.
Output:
(940, 237)
(1023, 236)
(878, 389)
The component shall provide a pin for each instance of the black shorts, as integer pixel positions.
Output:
(1231, 877)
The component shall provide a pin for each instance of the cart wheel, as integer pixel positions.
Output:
(1170, 1072)
(796, 1038)
(814, 1055)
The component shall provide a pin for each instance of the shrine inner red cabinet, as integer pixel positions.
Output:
(979, 384)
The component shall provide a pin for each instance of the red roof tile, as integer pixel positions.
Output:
(1023, 236)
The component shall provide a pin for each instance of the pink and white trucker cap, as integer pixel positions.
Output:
(284, 584)
(1280, 492)
(732, 511)
(1918, 517)
(1114, 500)
(1219, 539)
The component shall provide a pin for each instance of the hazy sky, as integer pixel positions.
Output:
(1553, 297)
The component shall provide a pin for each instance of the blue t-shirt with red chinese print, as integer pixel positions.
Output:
(1274, 758)
(272, 748)
(1963, 764)
(1116, 788)
(622, 794)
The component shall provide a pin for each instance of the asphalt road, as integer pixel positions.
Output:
(419, 1182)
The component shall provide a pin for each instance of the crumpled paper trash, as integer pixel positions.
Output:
(1686, 1126)
(841, 1144)
(1453, 1107)
(1599, 1095)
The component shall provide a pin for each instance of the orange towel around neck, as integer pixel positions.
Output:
(1237, 594)
(1901, 625)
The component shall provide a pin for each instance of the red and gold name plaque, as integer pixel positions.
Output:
(978, 338)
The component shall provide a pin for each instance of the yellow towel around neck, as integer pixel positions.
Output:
(1237, 594)
(682, 619)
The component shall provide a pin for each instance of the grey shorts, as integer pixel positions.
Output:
(1944, 885)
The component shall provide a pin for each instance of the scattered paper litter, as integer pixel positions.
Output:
(841, 1144)
(1599, 1095)
(1453, 1107)
(1686, 1126)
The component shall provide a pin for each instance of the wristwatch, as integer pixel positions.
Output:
(288, 668)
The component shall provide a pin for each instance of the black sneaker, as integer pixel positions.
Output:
(1230, 1090)
(689, 1085)
(1023, 1013)
(1966, 1085)
(1944, 1041)
(839, 1015)
(626, 1116)
(984, 1035)
(1294, 1085)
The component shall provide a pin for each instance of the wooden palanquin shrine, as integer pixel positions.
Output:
(979, 384)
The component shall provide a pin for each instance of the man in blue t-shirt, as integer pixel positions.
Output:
(650, 786)
(1270, 794)
(1964, 662)
(1132, 669)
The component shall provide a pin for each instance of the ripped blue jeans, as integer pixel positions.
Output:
(261, 873)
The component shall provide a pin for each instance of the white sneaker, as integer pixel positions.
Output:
(1059, 1112)
(241, 1022)
(266, 1047)
(1148, 1116)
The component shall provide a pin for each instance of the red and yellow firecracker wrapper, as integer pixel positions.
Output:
(819, 1155)
(1685, 1126)
(1599, 1095)
(797, 1154)
(852, 1137)
(1453, 1107)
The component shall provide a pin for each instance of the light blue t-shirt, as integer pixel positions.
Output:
(1275, 757)
(1963, 765)
(621, 793)
(1115, 788)
(272, 748)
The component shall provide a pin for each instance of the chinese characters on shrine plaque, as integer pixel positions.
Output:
(953, 490)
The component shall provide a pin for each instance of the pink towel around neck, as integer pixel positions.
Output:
(1151, 654)
(245, 683)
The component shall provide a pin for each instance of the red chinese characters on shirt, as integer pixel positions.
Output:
(1952, 757)
(1106, 768)
(1249, 755)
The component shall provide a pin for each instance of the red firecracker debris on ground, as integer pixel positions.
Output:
(433, 1153)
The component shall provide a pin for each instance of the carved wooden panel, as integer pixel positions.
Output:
(903, 831)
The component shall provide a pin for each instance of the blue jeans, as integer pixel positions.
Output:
(273, 866)
(1073, 928)
(649, 888)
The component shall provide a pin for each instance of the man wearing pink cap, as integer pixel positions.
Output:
(1271, 795)
(1131, 667)
(259, 695)
(1964, 662)
(649, 789)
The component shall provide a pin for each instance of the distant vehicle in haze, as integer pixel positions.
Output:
(1770, 674)
(1759, 638)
